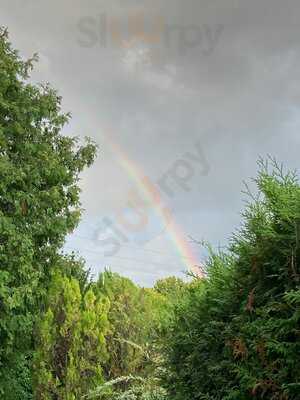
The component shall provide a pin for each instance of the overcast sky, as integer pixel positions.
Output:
(187, 93)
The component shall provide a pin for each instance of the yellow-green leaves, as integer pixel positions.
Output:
(71, 347)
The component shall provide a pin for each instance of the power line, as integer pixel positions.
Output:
(121, 267)
(126, 258)
(141, 249)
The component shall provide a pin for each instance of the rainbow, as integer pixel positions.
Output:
(152, 196)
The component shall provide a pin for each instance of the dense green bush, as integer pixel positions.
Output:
(236, 335)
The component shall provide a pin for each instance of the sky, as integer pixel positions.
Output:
(182, 98)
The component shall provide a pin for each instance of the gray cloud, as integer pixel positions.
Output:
(240, 100)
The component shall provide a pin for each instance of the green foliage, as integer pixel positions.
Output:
(138, 318)
(172, 288)
(138, 389)
(169, 293)
(132, 321)
(236, 334)
(39, 205)
(71, 347)
(147, 387)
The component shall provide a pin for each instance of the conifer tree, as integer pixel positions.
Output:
(71, 347)
(39, 205)
(236, 335)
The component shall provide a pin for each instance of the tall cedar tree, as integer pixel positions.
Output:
(39, 205)
(236, 336)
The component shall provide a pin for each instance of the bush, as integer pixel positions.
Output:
(236, 334)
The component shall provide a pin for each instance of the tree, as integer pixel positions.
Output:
(138, 317)
(39, 205)
(236, 334)
(71, 342)
(129, 324)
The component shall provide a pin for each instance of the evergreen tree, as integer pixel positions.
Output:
(236, 335)
(71, 347)
(129, 319)
(39, 205)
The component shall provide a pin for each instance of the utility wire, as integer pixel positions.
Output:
(141, 249)
(124, 258)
